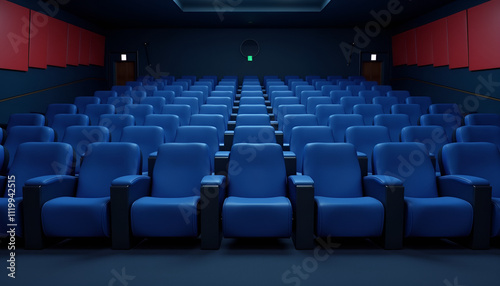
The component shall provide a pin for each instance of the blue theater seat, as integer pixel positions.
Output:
(483, 119)
(412, 110)
(148, 138)
(336, 95)
(168, 95)
(445, 108)
(22, 134)
(215, 120)
(383, 89)
(191, 101)
(156, 102)
(449, 122)
(169, 123)
(177, 89)
(423, 101)
(394, 123)
(368, 95)
(252, 100)
(252, 109)
(139, 111)
(327, 89)
(299, 88)
(200, 134)
(314, 101)
(304, 95)
(340, 122)
(25, 119)
(348, 102)
(94, 112)
(119, 103)
(364, 138)
(202, 88)
(368, 84)
(479, 133)
(183, 111)
(252, 119)
(81, 102)
(120, 90)
(137, 95)
(292, 120)
(32, 160)
(302, 135)
(254, 134)
(368, 111)
(344, 83)
(226, 101)
(69, 207)
(116, 123)
(355, 89)
(62, 121)
(401, 95)
(386, 102)
(284, 101)
(103, 95)
(58, 108)
(195, 94)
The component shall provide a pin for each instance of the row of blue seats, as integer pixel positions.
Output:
(110, 198)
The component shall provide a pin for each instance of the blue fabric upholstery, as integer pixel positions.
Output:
(449, 122)
(340, 122)
(368, 84)
(365, 138)
(426, 213)
(183, 111)
(215, 120)
(62, 121)
(355, 89)
(326, 89)
(324, 111)
(423, 101)
(119, 103)
(254, 134)
(383, 89)
(155, 101)
(120, 90)
(483, 119)
(58, 108)
(33, 159)
(292, 120)
(191, 101)
(434, 137)
(200, 134)
(314, 101)
(344, 83)
(336, 95)
(252, 93)
(285, 109)
(224, 91)
(412, 110)
(94, 112)
(386, 102)
(252, 100)
(25, 119)
(136, 95)
(445, 108)
(177, 89)
(148, 138)
(300, 87)
(168, 95)
(479, 133)
(394, 123)
(81, 102)
(251, 210)
(168, 122)
(368, 111)
(401, 95)
(304, 95)
(115, 124)
(226, 101)
(252, 109)
(196, 94)
(368, 95)
(253, 119)
(216, 109)
(283, 92)
(139, 111)
(22, 134)
(349, 102)
(302, 135)
(103, 95)
(202, 88)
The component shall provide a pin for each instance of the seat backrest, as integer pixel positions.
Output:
(196, 94)
(479, 133)
(139, 111)
(105, 162)
(177, 89)
(326, 89)
(433, 137)
(58, 108)
(252, 100)
(313, 102)
(137, 95)
(179, 169)
(336, 95)
(252, 109)
(340, 122)
(479, 159)
(119, 103)
(301, 88)
(226, 101)
(276, 90)
(286, 109)
(202, 88)
(483, 119)
(191, 101)
(115, 124)
(445, 108)
(368, 84)
(148, 138)
(81, 102)
(62, 121)
(292, 120)
(410, 163)
(348, 102)
(344, 83)
(156, 102)
(386, 102)
(169, 123)
(368, 95)
(394, 123)
(449, 122)
(252, 119)
(423, 101)
(324, 111)
(182, 83)
(94, 112)
(368, 111)
(412, 110)
(103, 95)
(383, 89)
(254, 134)
(334, 169)
(224, 91)
(302, 135)
(200, 134)
(183, 111)
(304, 95)
(80, 137)
(168, 95)
(281, 100)
(35, 159)
(25, 119)
(401, 95)
(257, 163)
(120, 90)
(365, 138)
(22, 134)
(215, 120)
(355, 89)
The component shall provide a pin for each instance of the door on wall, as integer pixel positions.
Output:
(124, 71)
(372, 71)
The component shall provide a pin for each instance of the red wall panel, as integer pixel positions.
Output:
(411, 47)
(97, 47)
(39, 28)
(84, 56)
(440, 42)
(484, 38)
(57, 43)
(424, 45)
(458, 49)
(14, 35)
(73, 45)
(399, 49)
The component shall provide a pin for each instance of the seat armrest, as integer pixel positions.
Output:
(221, 161)
(151, 163)
(301, 194)
(476, 191)
(36, 192)
(290, 163)
(212, 195)
(390, 192)
(3, 180)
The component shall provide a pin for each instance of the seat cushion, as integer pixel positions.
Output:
(76, 217)
(257, 217)
(165, 217)
(349, 217)
(4, 216)
(437, 217)
(495, 219)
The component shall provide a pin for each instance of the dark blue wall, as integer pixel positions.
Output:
(217, 51)
(445, 85)
(35, 89)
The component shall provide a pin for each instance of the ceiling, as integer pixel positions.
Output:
(166, 13)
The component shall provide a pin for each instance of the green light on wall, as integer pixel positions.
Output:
(250, 58)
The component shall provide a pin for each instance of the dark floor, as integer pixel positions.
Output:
(254, 262)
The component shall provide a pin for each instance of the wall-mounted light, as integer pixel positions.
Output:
(124, 57)
(249, 49)
(373, 57)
